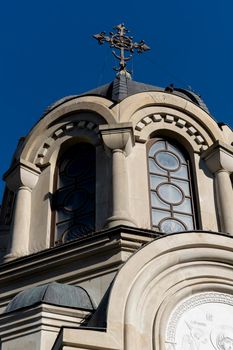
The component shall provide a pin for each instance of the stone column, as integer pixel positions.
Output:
(119, 139)
(219, 160)
(21, 179)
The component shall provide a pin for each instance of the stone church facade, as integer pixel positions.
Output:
(116, 225)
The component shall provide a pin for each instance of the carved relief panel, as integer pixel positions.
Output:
(202, 322)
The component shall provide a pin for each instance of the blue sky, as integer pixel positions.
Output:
(47, 52)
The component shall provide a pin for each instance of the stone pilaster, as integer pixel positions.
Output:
(219, 160)
(21, 179)
(119, 139)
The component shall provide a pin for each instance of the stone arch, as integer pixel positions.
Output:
(94, 110)
(58, 137)
(158, 276)
(80, 129)
(134, 108)
(163, 119)
(198, 139)
(150, 122)
(73, 121)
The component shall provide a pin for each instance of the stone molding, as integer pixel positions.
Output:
(92, 104)
(43, 319)
(22, 174)
(146, 126)
(69, 339)
(162, 273)
(118, 136)
(84, 255)
(136, 104)
(69, 129)
(218, 157)
(127, 111)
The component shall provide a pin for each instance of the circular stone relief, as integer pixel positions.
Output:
(170, 193)
(171, 225)
(167, 160)
(201, 322)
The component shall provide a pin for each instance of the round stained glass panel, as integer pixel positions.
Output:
(170, 193)
(167, 160)
(171, 225)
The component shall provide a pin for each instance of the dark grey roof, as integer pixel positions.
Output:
(123, 86)
(52, 293)
(120, 88)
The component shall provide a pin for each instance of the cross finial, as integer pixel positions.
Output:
(120, 41)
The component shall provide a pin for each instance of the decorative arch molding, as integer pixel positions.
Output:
(160, 275)
(96, 106)
(161, 121)
(82, 129)
(133, 106)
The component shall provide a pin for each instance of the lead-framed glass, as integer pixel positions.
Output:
(172, 203)
(74, 199)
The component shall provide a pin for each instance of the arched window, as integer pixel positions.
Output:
(74, 199)
(172, 207)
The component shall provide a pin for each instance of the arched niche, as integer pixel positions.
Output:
(164, 273)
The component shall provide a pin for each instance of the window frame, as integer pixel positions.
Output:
(55, 240)
(191, 181)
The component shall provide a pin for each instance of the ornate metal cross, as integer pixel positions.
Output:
(120, 41)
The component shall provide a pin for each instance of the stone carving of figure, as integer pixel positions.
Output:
(224, 343)
(222, 338)
(193, 339)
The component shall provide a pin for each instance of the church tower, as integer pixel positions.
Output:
(116, 222)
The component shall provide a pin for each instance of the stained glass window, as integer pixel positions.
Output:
(170, 188)
(74, 200)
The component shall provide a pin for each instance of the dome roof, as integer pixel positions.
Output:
(123, 86)
(52, 293)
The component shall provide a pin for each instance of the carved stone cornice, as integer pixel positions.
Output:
(118, 136)
(23, 173)
(219, 156)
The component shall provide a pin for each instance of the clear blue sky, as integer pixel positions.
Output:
(47, 52)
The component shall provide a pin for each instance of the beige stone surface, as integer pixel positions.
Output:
(219, 159)
(160, 275)
(122, 182)
(91, 263)
(37, 327)
(149, 277)
(150, 285)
